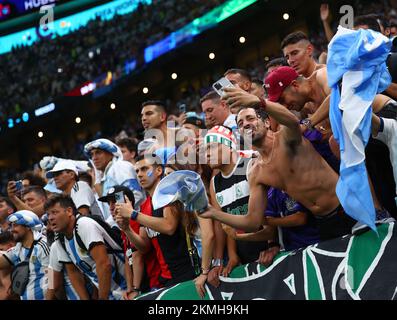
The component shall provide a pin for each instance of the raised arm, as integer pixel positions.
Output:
(325, 18)
(250, 222)
(321, 114)
(165, 225)
(237, 97)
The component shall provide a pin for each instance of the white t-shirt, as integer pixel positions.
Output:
(82, 195)
(90, 233)
(55, 265)
(38, 263)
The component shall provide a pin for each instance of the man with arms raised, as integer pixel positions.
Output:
(287, 162)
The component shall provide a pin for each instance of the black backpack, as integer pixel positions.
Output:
(20, 273)
(115, 234)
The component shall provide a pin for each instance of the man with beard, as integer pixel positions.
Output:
(32, 246)
(287, 162)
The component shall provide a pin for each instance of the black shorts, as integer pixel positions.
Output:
(335, 224)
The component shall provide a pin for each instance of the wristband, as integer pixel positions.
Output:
(262, 103)
(134, 215)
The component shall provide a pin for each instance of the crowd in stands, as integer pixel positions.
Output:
(262, 157)
(37, 74)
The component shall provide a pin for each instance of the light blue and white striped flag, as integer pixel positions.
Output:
(184, 186)
(358, 59)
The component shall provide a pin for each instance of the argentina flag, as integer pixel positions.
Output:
(357, 59)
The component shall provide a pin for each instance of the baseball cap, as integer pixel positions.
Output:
(277, 80)
(194, 119)
(60, 166)
(111, 194)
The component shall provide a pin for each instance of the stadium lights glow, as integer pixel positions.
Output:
(78, 120)
(40, 134)
(90, 54)
(285, 16)
(267, 58)
(112, 106)
(98, 51)
(60, 70)
(43, 110)
(242, 39)
(212, 56)
(145, 90)
(25, 117)
(174, 76)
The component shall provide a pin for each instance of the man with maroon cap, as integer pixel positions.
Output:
(285, 86)
(288, 162)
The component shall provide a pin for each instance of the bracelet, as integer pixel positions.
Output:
(306, 122)
(205, 272)
(134, 215)
(263, 103)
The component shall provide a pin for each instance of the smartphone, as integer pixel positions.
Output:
(182, 108)
(19, 185)
(119, 196)
(221, 84)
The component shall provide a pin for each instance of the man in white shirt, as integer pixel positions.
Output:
(26, 230)
(86, 246)
(218, 113)
(111, 170)
(66, 175)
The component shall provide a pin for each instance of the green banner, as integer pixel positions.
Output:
(361, 267)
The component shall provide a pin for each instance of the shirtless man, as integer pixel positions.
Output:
(287, 162)
(285, 86)
(298, 51)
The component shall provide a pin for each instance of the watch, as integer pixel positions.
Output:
(134, 215)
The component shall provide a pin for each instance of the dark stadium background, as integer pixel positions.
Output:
(261, 24)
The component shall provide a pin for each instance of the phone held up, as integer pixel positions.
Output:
(221, 84)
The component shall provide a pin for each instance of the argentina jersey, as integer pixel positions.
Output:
(92, 233)
(38, 263)
(57, 266)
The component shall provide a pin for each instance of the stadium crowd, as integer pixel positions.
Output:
(266, 159)
(88, 53)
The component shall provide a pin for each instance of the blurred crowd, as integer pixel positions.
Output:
(35, 75)
(251, 172)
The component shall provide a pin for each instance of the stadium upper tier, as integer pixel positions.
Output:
(100, 52)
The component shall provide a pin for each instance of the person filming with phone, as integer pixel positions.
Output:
(30, 198)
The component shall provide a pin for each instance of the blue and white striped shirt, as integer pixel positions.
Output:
(90, 233)
(38, 263)
(55, 265)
